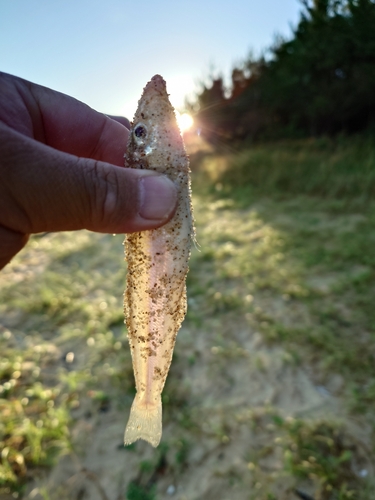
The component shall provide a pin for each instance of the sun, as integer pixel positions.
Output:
(185, 121)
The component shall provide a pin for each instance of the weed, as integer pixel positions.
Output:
(182, 452)
(322, 452)
(34, 420)
(138, 492)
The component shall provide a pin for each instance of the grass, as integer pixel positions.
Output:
(61, 313)
(321, 454)
(282, 286)
(34, 418)
(318, 450)
(339, 169)
(309, 240)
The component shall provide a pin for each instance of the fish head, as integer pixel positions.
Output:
(155, 140)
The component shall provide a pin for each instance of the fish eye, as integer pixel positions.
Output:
(140, 131)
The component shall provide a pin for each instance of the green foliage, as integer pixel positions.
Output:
(319, 82)
(329, 168)
(322, 80)
(182, 452)
(321, 451)
(138, 492)
(34, 418)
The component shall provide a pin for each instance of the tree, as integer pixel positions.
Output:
(321, 81)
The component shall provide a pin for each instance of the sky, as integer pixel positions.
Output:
(104, 52)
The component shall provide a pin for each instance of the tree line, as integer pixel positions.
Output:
(319, 82)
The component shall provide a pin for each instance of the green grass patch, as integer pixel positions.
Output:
(323, 453)
(34, 418)
(339, 169)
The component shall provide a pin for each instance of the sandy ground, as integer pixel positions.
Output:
(227, 394)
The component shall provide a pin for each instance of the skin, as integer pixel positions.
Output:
(61, 168)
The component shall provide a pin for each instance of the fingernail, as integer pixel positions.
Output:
(158, 197)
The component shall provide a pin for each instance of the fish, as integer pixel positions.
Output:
(155, 296)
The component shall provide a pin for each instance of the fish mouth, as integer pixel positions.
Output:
(157, 83)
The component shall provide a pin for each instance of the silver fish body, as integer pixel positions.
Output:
(155, 295)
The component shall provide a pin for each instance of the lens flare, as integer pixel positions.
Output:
(185, 121)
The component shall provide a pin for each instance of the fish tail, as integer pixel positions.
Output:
(144, 422)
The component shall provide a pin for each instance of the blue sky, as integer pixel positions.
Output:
(104, 52)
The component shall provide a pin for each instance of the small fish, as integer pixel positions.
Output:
(155, 295)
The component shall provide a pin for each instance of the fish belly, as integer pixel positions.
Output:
(155, 306)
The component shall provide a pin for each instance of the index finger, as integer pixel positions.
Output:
(73, 127)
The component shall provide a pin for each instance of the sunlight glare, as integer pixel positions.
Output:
(185, 121)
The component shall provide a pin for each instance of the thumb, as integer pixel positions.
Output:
(43, 189)
(11, 243)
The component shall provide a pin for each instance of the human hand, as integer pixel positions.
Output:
(61, 169)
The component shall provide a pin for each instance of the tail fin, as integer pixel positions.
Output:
(144, 422)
